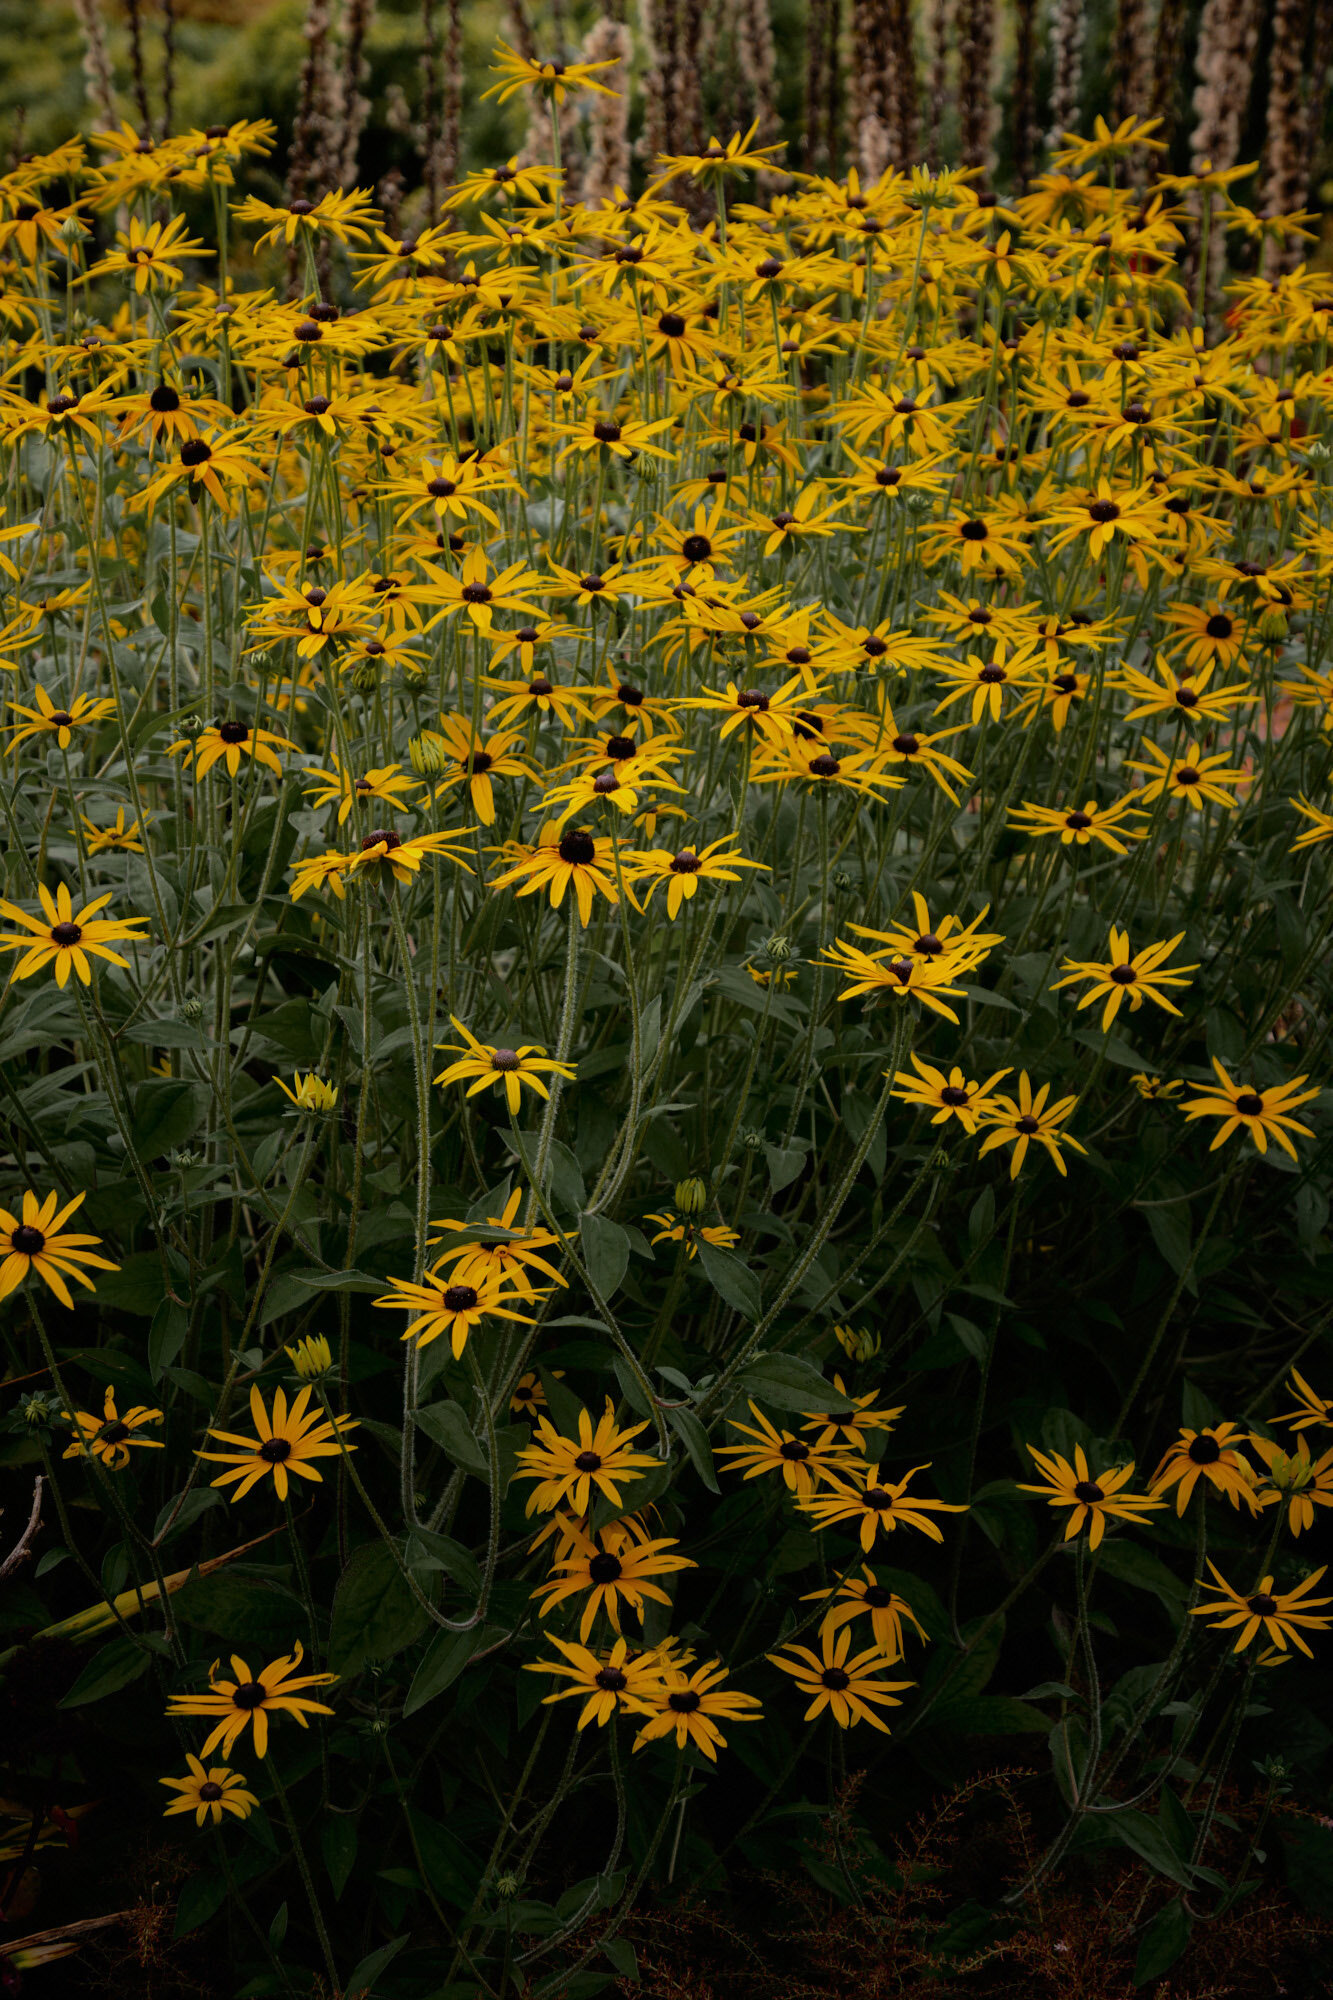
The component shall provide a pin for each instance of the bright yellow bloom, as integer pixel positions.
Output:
(66, 938)
(1135, 979)
(507, 1069)
(1094, 1501)
(247, 1700)
(286, 1442)
(39, 1242)
(1282, 1614)
(1261, 1112)
(109, 1437)
(209, 1793)
(309, 1092)
(572, 1470)
(851, 1688)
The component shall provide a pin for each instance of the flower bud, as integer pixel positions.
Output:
(691, 1196)
(428, 754)
(192, 1009)
(366, 676)
(857, 1342)
(778, 948)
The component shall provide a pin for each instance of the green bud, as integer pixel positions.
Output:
(366, 676)
(428, 754)
(778, 948)
(691, 1196)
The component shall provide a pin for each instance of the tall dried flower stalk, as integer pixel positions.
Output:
(1067, 66)
(608, 117)
(1287, 140)
(355, 71)
(1022, 100)
(1224, 64)
(1168, 48)
(441, 104)
(96, 63)
(976, 99)
(816, 142)
(168, 66)
(939, 28)
(883, 86)
(1130, 67)
(137, 73)
(758, 62)
(308, 130)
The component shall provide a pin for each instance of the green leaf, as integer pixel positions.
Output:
(446, 1425)
(1147, 1839)
(605, 1252)
(243, 1610)
(361, 1985)
(1132, 1564)
(784, 1165)
(731, 1277)
(337, 1842)
(201, 1898)
(988, 1715)
(166, 1337)
(445, 1658)
(1162, 1942)
(167, 1112)
(374, 1612)
(623, 1956)
(695, 1440)
(789, 1383)
(1307, 1849)
(114, 1667)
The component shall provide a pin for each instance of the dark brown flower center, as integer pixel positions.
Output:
(1078, 822)
(877, 1596)
(696, 548)
(1262, 1604)
(1123, 975)
(1027, 1124)
(1204, 1450)
(684, 1701)
(835, 1678)
(1219, 626)
(605, 1568)
(686, 862)
(1088, 1491)
(113, 1433)
(66, 935)
(794, 1451)
(825, 766)
(953, 1094)
(611, 1679)
(275, 1451)
(27, 1241)
(209, 1791)
(974, 531)
(505, 1059)
(588, 1461)
(476, 593)
(671, 324)
(249, 1695)
(460, 1298)
(1104, 510)
(577, 848)
(233, 732)
(195, 452)
(1250, 1104)
(164, 399)
(381, 836)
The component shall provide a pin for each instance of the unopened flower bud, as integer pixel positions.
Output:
(428, 754)
(691, 1196)
(778, 948)
(192, 1009)
(752, 1140)
(366, 676)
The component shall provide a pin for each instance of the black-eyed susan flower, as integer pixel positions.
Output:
(228, 743)
(1281, 1615)
(1110, 826)
(309, 1092)
(851, 1427)
(247, 1700)
(877, 1505)
(858, 1343)
(682, 871)
(1191, 699)
(382, 784)
(287, 1440)
(399, 860)
(511, 1259)
(1296, 1480)
(947, 937)
(220, 466)
(344, 215)
(850, 1686)
(312, 1357)
(1143, 975)
(443, 1305)
(547, 74)
(1212, 1455)
(49, 718)
(465, 757)
(108, 1438)
(64, 938)
(1264, 1114)
(689, 1230)
(1156, 1089)
(1190, 776)
(481, 592)
(802, 1465)
(1029, 1119)
(613, 1566)
(1311, 1408)
(1320, 826)
(117, 838)
(561, 860)
(1093, 1501)
(570, 1471)
(905, 977)
(209, 1793)
(37, 1240)
(506, 1070)
(983, 682)
(621, 1681)
(865, 1596)
(949, 1094)
(152, 253)
(689, 1704)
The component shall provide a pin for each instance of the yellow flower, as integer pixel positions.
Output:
(546, 73)
(110, 1436)
(309, 1092)
(64, 937)
(1304, 1483)
(1122, 977)
(1281, 1613)
(247, 1700)
(47, 718)
(802, 1465)
(1094, 1501)
(1017, 1122)
(228, 742)
(687, 1704)
(153, 251)
(879, 1505)
(1107, 825)
(507, 1069)
(618, 1562)
(209, 1793)
(850, 1688)
(612, 1682)
(857, 1596)
(572, 1470)
(287, 1440)
(948, 1096)
(1211, 1455)
(683, 871)
(1261, 1112)
(1190, 777)
(561, 859)
(511, 1259)
(311, 1357)
(449, 1307)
